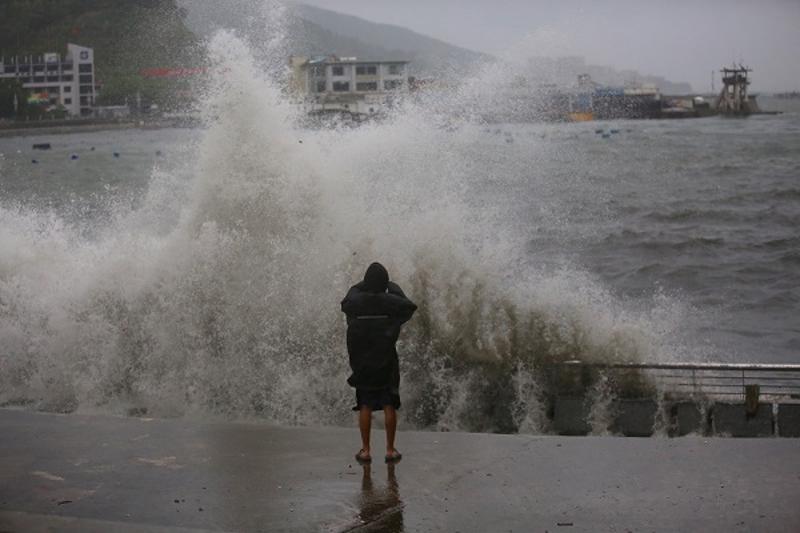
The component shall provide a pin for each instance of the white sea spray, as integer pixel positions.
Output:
(219, 294)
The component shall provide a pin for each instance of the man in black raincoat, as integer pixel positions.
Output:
(376, 308)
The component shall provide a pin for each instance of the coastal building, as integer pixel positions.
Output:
(524, 100)
(347, 84)
(53, 80)
(635, 101)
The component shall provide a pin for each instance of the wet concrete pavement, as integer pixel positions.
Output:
(98, 473)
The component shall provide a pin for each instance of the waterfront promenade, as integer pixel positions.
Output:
(99, 473)
(64, 127)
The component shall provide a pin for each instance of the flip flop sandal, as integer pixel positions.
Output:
(395, 458)
(362, 459)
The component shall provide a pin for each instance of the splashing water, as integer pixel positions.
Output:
(219, 294)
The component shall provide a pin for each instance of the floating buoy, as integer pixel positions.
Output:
(34, 161)
(41, 146)
(92, 148)
(116, 154)
(74, 157)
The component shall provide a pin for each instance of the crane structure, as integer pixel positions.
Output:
(734, 98)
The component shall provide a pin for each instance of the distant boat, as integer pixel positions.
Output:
(580, 116)
(42, 146)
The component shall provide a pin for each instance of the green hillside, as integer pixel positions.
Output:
(428, 56)
(308, 30)
(127, 35)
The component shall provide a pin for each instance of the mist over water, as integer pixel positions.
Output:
(216, 291)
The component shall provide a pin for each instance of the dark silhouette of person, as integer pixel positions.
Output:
(376, 308)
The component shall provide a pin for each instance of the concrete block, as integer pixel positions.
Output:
(731, 419)
(634, 418)
(687, 417)
(570, 415)
(789, 419)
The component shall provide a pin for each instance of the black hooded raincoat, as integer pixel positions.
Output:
(376, 309)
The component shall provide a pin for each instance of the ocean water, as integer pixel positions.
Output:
(200, 271)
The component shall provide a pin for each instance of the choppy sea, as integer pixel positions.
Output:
(200, 270)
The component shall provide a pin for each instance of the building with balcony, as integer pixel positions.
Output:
(49, 78)
(331, 83)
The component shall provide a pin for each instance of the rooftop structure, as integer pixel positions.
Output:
(49, 78)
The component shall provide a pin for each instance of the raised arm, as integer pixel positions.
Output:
(350, 303)
(393, 303)
(403, 308)
(394, 288)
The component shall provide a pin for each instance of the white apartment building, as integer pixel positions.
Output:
(347, 83)
(68, 81)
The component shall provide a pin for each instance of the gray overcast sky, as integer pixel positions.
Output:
(680, 39)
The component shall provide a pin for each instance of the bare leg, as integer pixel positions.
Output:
(364, 424)
(390, 417)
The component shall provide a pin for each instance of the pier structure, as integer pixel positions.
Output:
(734, 98)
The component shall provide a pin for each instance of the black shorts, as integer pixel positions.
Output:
(376, 399)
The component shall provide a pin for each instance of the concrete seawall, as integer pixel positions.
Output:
(97, 473)
(645, 417)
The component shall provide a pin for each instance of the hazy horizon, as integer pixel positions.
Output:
(683, 42)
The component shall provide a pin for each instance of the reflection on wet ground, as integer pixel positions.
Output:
(381, 508)
(159, 476)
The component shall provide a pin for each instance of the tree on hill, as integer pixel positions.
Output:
(13, 98)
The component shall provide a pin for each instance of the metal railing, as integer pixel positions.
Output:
(724, 381)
